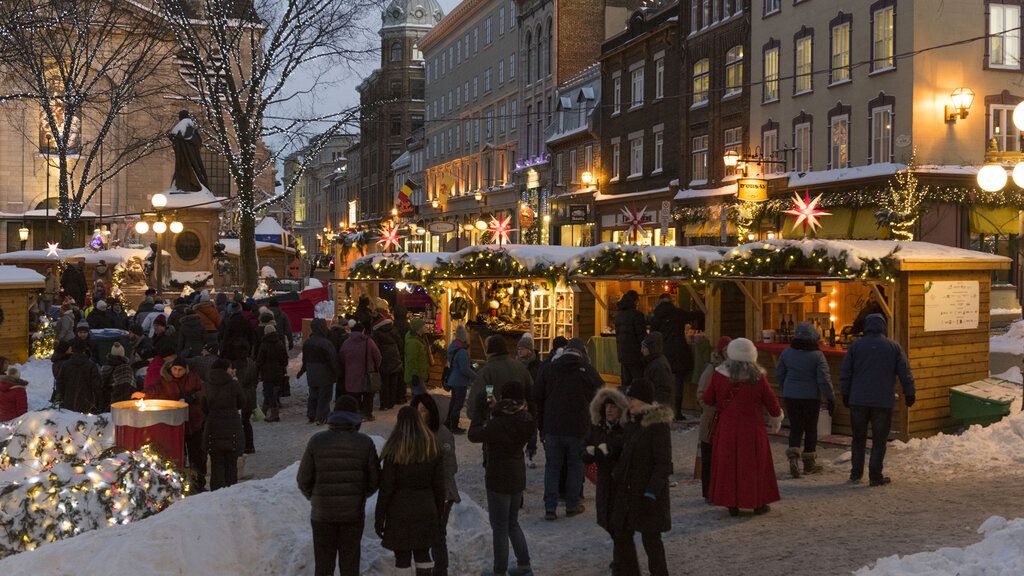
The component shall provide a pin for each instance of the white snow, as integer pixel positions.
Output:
(818, 177)
(993, 448)
(232, 246)
(15, 275)
(111, 256)
(324, 309)
(1010, 343)
(1005, 311)
(189, 277)
(694, 193)
(39, 375)
(256, 527)
(269, 225)
(268, 272)
(202, 200)
(1000, 553)
(182, 126)
(314, 283)
(599, 197)
(856, 251)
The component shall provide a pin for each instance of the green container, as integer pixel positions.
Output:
(972, 409)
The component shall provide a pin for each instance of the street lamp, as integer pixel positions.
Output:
(141, 227)
(962, 99)
(159, 200)
(992, 176)
(177, 227)
(479, 196)
(731, 158)
(23, 235)
(159, 227)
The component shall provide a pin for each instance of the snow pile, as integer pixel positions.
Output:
(201, 278)
(995, 448)
(855, 252)
(1000, 553)
(256, 527)
(313, 283)
(1010, 343)
(324, 309)
(39, 375)
(268, 272)
(1005, 311)
(58, 479)
(15, 275)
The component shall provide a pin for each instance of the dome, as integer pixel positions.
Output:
(412, 13)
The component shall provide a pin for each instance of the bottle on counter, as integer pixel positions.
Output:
(832, 334)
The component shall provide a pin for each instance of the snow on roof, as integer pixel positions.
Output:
(693, 193)
(269, 225)
(422, 261)
(14, 275)
(111, 256)
(844, 174)
(855, 252)
(232, 246)
(599, 197)
(52, 213)
(202, 200)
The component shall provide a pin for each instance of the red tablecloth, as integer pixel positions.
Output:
(170, 439)
(776, 348)
(296, 310)
(314, 295)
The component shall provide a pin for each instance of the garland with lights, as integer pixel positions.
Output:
(773, 260)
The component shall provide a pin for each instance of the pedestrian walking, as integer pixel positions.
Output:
(671, 322)
(239, 354)
(500, 369)
(657, 370)
(527, 355)
(867, 381)
(417, 358)
(742, 475)
(223, 438)
(272, 363)
(412, 492)
(504, 435)
(428, 410)
(321, 366)
(338, 472)
(359, 358)
(804, 381)
(562, 397)
(603, 447)
(385, 335)
(707, 415)
(79, 387)
(284, 325)
(630, 330)
(177, 383)
(460, 377)
(191, 333)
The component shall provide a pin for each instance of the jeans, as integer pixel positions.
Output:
(403, 558)
(803, 422)
(196, 459)
(705, 468)
(630, 372)
(559, 452)
(455, 409)
(503, 512)
(223, 469)
(318, 405)
(881, 422)
(338, 544)
(624, 554)
(439, 552)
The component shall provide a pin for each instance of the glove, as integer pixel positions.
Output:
(775, 422)
(650, 496)
(909, 400)
(603, 447)
(846, 400)
(378, 527)
(590, 450)
(831, 407)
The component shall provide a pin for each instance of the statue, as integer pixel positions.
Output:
(189, 172)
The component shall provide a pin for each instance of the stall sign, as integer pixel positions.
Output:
(532, 179)
(951, 305)
(665, 215)
(441, 227)
(578, 213)
(752, 189)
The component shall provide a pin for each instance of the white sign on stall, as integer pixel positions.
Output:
(951, 306)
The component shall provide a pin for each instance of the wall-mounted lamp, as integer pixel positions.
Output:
(481, 225)
(587, 178)
(23, 234)
(962, 99)
(479, 196)
(435, 203)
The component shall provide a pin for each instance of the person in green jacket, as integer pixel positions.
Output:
(500, 369)
(417, 359)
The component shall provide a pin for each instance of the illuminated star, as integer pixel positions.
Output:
(634, 220)
(52, 249)
(501, 229)
(389, 237)
(806, 212)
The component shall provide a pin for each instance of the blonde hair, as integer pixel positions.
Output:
(410, 442)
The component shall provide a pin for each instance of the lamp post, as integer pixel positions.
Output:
(49, 139)
(23, 235)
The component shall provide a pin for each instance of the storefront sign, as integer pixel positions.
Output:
(578, 213)
(532, 179)
(441, 227)
(752, 189)
(665, 215)
(951, 306)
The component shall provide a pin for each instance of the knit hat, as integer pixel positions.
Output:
(559, 342)
(525, 341)
(642, 390)
(346, 403)
(805, 331)
(461, 333)
(13, 372)
(160, 320)
(266, 317)
(496, 345)
(381, 304)
(204, 296)
(269, 329)
(416, 325)
(742, 350)
(654, 343)
(577, 345)
(117, 350)
(513, 390)
(83, 325)
(179, 361)
(101, 305)
(351, 323)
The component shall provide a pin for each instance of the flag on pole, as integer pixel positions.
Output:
(404, 200)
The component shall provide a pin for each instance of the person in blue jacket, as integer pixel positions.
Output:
(460, 376)
(804, 381)
(867, 381)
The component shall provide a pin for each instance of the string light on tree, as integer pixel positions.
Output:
(501, 229)
(806, 212)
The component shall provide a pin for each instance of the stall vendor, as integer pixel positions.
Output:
(873, 306)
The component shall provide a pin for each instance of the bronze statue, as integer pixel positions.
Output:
(189, 172)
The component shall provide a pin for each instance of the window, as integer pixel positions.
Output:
(550, 44)
(417, 88)
(501, 20)
(699, 160)
(476, 131)
(476, 87)
(659, 77)
(529, 56)
(572, 166)
(636, 156)
(396, 88)
(701, 82)
(396, 51)
(487, 80)
(636, 90)
(417, 54)
(512, 14)
(489, 125)
(396, 124)
(882, 35)
(465, 41)
(770, 87)
(733, 140)
(559, 173)
(513, 115)
(616, 93)
(588, 158)
(501, 72)
(458, 136)
(839, 142)
(616, 159)
(772, 6)
(469, 133)
(476, 40)
(529, 131)
(802, 79)
(881, 134)
(512, 67)
(451, 58)
(659, 151)
(450, 101)
(734, 71)
(839, 64)
(502, 110)
(458, 52)
(1004, 40)
(770, 147)
(1001, 128)
(487, 31)
(802, 143)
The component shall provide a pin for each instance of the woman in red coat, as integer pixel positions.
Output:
(742, 472)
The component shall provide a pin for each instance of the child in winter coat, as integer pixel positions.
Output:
(13, 398)
(603, 446)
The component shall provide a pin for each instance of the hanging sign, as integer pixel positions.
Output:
(578, 213)
(951, 306)
(665, 216)
(752, 189)
(532, 179)
(526, 216)
(441, 227)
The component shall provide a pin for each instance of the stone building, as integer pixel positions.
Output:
(313, 214)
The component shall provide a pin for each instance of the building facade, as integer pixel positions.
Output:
(392, 102)
(313, 213)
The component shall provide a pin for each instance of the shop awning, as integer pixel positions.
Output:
(1003, 220)
(843, 224)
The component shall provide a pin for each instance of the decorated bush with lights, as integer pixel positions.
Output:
(59, 476)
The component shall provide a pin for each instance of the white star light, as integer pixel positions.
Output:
(52, 249)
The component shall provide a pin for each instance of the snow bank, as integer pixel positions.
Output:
(39, 375)
(994, 449)
(256, 527)
(1010, 343)
(1000, 553)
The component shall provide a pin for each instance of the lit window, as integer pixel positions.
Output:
(701, 82)
(802, 79)
(699, 160)
(1004, 40)
(839, 147)
(734, 71)
(1001, 128)
(733, 141)
(616, 160)
(840, 64)
(882, 39)
(636, 156)
(770, 149)
(881, 135)
(771, 75)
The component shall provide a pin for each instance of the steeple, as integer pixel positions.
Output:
(410, 14)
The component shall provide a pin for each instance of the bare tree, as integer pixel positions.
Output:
(87, 66)
(246, 59)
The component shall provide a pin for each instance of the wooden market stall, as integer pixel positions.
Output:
(19, 288)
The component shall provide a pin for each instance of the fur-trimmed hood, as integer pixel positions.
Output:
(655, 414)
(603, 396)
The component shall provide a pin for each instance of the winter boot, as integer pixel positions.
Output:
(810, 465)
(793, 454)
(272, 414)
(425, 571)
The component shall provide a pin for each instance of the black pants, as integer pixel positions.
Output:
(803, 422)
(387, 391)
(880, 420)
(682, 379)
(365, 401)
(250, 446)
(403, 558)
(705, 468)
(196, 459)
(624, 554)
(224, 468)
(630, 372)
(439, 552)
(336, 544)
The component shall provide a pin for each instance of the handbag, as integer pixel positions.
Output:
(372, 381)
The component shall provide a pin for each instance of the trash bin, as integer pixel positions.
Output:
(982, 402)
(161, 422)
(104, 339)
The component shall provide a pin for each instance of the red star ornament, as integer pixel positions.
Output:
(389, 237)
(806, 212)
(501, 229)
